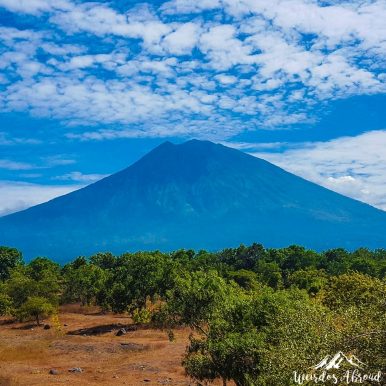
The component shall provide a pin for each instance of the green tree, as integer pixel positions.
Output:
(365, 265)
(359, 305)
(298, 257)
(84, 283)
(139, 277)
(6, 305)
(36, 308)
(204, 260)
(354, 289)
(312, 280)
(243, 257)
(104, 260)
(41, 267)
(248, 280)
(336, 261)
(252, 338)
(194, 299)
(269, 273)
(22, 285)
(185, 257)
(9, 259)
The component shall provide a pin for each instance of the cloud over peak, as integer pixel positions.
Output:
(353, 166)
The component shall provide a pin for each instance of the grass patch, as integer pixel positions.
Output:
(32, 352)
(7, 381)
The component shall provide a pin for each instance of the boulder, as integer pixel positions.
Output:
(120, 332)
(76, 370)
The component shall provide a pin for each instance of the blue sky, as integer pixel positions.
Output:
(86, 88)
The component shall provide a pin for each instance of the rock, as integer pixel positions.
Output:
(54, 372)
(132, 346)
(47, 326)
(65, 325)
(147, 380)
(76, 370)
(121, 332)
(166, 381)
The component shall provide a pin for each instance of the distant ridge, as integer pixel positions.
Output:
(196, 195)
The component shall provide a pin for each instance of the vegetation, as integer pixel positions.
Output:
(9, 259)
(256, 314)
(35, 307)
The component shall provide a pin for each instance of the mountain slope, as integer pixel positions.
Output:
(194, 195)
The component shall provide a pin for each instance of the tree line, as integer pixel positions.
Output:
(256, 314)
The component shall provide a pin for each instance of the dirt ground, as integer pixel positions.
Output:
(88, 341)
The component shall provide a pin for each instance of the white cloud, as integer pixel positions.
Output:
(226, 79)
(17, 196)
(271, 61)
(57, 160)
(353, 166)
(277, 55)
(80, 177)
(9, 36)
(109, 61)
(5, 139)
(34, 6)
(188, 6)
(13, 165)
(102, 20)
(45, 162)
(223, 49)
(182, 40)
(94, 101)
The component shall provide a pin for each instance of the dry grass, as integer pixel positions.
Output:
(6, 381)
(24, 352)
(79, 309)
(141, 357)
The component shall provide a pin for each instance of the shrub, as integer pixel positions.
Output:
(5, 304)
(142, 315)
(35, 307)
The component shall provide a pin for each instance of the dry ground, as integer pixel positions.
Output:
(141, 357)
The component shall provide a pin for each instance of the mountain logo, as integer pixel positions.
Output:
(337, 361)
(338, 369)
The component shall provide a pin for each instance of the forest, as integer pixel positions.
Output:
(257, 315)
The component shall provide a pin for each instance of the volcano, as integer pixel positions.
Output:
(197, 195)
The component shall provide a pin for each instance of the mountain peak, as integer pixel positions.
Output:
(198, 195)
(189, 159)
(188, 143)
(167, 145)
(192, 144)
(198, 142)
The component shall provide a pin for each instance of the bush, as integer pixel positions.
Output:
(5, 304)
(9, 259)
(141, 316)
(36, 308)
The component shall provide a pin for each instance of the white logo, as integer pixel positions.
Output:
(338, 369)
(335, 362)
